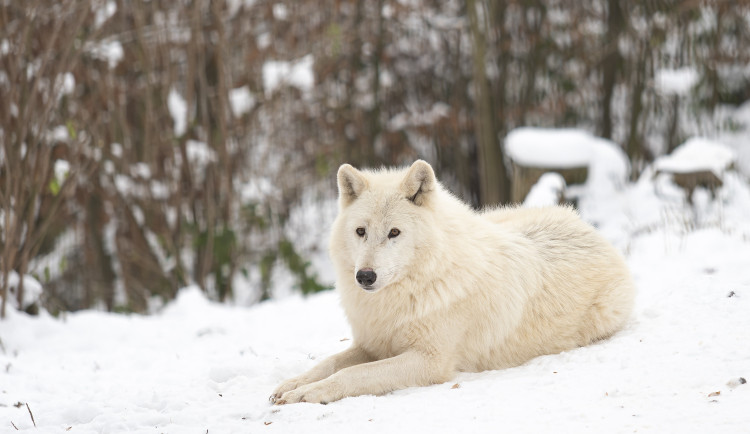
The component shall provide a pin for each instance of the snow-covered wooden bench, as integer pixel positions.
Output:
(573, 154)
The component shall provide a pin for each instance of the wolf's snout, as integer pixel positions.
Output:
(366, 276)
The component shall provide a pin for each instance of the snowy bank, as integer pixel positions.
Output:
(202, 366)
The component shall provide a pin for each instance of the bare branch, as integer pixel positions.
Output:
(31, 414)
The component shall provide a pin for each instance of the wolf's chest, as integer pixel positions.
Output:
(380, 336)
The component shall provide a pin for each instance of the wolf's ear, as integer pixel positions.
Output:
(419, 182)
(351, 183)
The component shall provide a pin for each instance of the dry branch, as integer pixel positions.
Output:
(31, 414)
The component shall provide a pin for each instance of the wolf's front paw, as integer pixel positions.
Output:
(321, 392)
(284, 387)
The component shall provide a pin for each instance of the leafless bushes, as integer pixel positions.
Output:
(131, 100)
(179, 160)
(39, 49)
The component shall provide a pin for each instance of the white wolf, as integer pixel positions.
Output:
(432, 288)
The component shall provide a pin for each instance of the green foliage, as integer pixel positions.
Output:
(333, 31)
(322, 166)
(71, 129)
(54, 187)
(122, 309)
(253, 214)
(306, 282)
(266, 267)
(222, 253)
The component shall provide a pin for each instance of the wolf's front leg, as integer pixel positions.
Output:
(354, 355)
(411, 368)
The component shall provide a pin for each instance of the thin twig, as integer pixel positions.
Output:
(31, 414)
(14, 426)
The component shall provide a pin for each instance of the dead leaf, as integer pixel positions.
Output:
(717, 393)
(343, 339)
(267, 423)
(455, 386)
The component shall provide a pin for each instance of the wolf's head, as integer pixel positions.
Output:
(382, 224)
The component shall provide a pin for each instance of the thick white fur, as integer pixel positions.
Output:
(457, 290)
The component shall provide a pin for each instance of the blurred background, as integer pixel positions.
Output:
(151, 145)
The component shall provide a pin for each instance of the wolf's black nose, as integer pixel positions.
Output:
(366, 277)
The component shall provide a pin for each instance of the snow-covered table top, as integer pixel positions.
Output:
(697, 155)
(552, 148)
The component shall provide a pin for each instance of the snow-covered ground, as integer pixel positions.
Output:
(200, 367)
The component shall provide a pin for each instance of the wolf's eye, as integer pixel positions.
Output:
(361, 232)
(394, 233)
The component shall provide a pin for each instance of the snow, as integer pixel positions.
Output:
(60, 133)
(546, 192)
(263, 40)
(140, 170)
(550, 148)
(199, 366)
(416, 118)
(697, 154)
(116, 150)
(608, 166)
(61, 169)
(104, 13)
(178, 110)
(280, 11)
(256, 190)
(737, 138)
(298, 73)
(128, 187)
(199, 153)
(32, 290)
(159, 190)
(110, 51)
(241, 101)
(235, 5)
(676, 81)
(65, 84)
